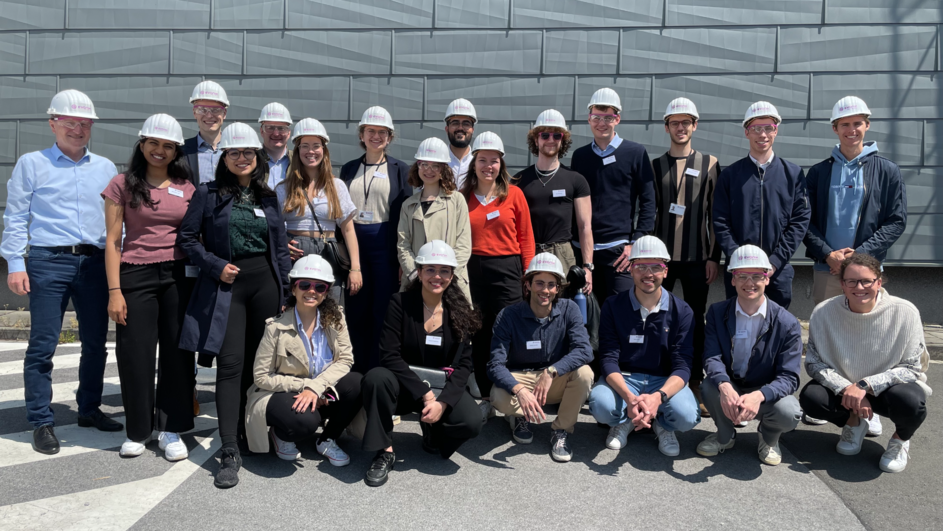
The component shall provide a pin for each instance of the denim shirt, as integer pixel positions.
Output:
(319, 353)
(209, 159)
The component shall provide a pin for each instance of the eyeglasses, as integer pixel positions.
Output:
(685, 124)
(310, 147)
(606, 118)
(203, 109)
(305, 285)
(382, 133)
(443, 272)
(425, 165)
(546, 136)
(853, 282)
(756, 278)
(650, 268)
(86, 125)
(540, 285)
(234, 154)
(759, 129)
(464, 124)
(275, 129)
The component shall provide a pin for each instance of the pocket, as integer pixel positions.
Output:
(36, 254)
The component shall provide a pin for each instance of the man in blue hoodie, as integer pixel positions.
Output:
(761, 200)
(752, 355)
(859, 201)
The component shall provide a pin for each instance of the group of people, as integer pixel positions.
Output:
(451, 289)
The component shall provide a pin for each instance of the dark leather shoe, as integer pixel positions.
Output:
(380, 469)
(229, 464)
(45, 441)
(100, 421)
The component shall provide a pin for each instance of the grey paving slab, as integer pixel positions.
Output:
(32, 14)
(468, 53)
(745, 12)
(727, 97)
(323, 98)
(573, 13)
(339, 14)
(581, 52)
(109, 14)
(12, 53)
(207, 52)
(698, 50)
(134, 97)
(99, 52)
(856, 48)
(502, 98)
(883, 12)
(897, 95)
(463, 14)
(318, 52)
(248, 14)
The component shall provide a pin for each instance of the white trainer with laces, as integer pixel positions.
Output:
(132, 448)
(667, 441)
(619, 435)
(896, 456)
(812, 421)
(284, 449)
(711, 446)
(329, 449)
(875, 429)
(771, 455)
(174, 449)
(851, 438)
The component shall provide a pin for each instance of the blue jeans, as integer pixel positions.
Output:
(54, 278)
(681, 413)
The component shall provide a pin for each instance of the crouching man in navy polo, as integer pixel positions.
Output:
(752, 355)
(645, 350)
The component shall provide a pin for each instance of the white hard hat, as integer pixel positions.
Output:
(551, 118)
(72, 103)
(749, 256)
(433, 150)
(275, 112)
(461, 107)
(849, 106)
(760, 109)
(309, 127)
(239, 135)
(162, 126)
(488, 140)
(209, 90)
(546, 263)
(605, 97)
(377, 116)
(312, 266)
(649, 247)
(681, 106)
(436, 252)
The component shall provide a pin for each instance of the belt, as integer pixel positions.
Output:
(84, 249)
(547, 247)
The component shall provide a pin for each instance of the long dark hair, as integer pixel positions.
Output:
(329, 310)
(135, 177)
(463, 319)
(228, 183)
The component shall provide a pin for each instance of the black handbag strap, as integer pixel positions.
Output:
(314, 214)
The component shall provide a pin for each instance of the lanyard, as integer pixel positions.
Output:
(366, 189)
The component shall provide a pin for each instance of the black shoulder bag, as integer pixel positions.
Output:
(335, 252)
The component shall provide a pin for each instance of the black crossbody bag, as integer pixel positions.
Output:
(335, 252)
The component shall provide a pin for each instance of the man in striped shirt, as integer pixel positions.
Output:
(684, 192)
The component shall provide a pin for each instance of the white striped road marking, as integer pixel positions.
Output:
(16, 448)
(59, 361)
(112, 508)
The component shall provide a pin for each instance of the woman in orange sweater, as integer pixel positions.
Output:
(502, 246)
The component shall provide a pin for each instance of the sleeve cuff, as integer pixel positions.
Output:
(17, 265)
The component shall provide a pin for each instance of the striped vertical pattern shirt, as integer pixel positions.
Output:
(690, 182)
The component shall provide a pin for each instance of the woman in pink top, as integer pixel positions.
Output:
(149, 288)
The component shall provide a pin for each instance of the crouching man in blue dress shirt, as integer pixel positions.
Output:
(540, 353)
(646, 350)
(752, 355)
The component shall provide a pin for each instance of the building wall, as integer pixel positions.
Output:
(331, 59)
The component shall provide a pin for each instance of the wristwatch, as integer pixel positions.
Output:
(588, 266)
(664, 397)
(862, 384)
(552, 371)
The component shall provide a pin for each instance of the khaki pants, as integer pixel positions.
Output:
(825, 286)
(569, 390)
(562, 250)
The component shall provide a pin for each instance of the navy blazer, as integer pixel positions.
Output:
(190, 152)
(204, 236)
(399, 191)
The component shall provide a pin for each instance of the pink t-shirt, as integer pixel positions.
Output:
(150, 233)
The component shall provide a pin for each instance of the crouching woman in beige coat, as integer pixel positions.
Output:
(302, 374)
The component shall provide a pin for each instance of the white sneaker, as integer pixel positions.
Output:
(896, 456)
(174, 449)
(710, 446)
(771, 455)
(851, 438)
(875, 429)
(487, 410)
(284, 449)
(813, 421)
(133, 449)
(329, 449)
(667, 441)
(618, 435)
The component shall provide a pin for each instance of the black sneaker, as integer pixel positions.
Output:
(559, 447)
(520, 430)
(45, 441)
(428, 444)
(98, 420)
(229, 464)
(380, 469)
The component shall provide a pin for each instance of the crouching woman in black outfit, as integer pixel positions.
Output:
(428, 328)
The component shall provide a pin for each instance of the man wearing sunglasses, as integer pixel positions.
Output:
(753, 355)
(557, 195)
(275, 129)
(460, 120)
(539, 355)
(761, 200)
(54, 206)
(209, 102)
(620, 176)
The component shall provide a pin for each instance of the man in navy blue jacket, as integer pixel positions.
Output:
(752, 355)
(761, 200)
(645, 349)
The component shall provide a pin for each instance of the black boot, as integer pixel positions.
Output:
(380, 468)
(229, 464)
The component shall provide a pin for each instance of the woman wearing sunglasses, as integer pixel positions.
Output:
(234, 232)
(434, 212)
(302, 371)
(425, 362)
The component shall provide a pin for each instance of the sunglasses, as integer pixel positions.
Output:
(547, 136)
(305, 285)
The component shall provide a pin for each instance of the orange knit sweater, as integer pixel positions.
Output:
(507, 233)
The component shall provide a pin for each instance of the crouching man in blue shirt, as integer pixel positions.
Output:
(539, 355)
(752, 355)
(646, 351)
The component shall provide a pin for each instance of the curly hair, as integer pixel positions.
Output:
(565, 144)
(865, 260)
(464, 320)
(446, 177)
(329, 310)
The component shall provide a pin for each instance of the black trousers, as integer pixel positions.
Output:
(383, 397)
(255, 297)
(693, 280)
(779, 288)
(495, 283)
(294, 427)
(156, 296)
(905, 404)
(606, 280)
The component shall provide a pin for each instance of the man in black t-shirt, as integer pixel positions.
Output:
(557, 196)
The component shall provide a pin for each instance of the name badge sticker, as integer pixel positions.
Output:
(192, 271)
(435, 341)
(692, 172)
(258, 212)
(533, 345)
(609, 160)
(380, 175)
(741, 334)
(636, 339)
(559, 193)
(365, 216)
(676, 209)
(493, 215)
(173, 191)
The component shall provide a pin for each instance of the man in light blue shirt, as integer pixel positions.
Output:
(54, 205)
(275, 129)
(210, 105)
